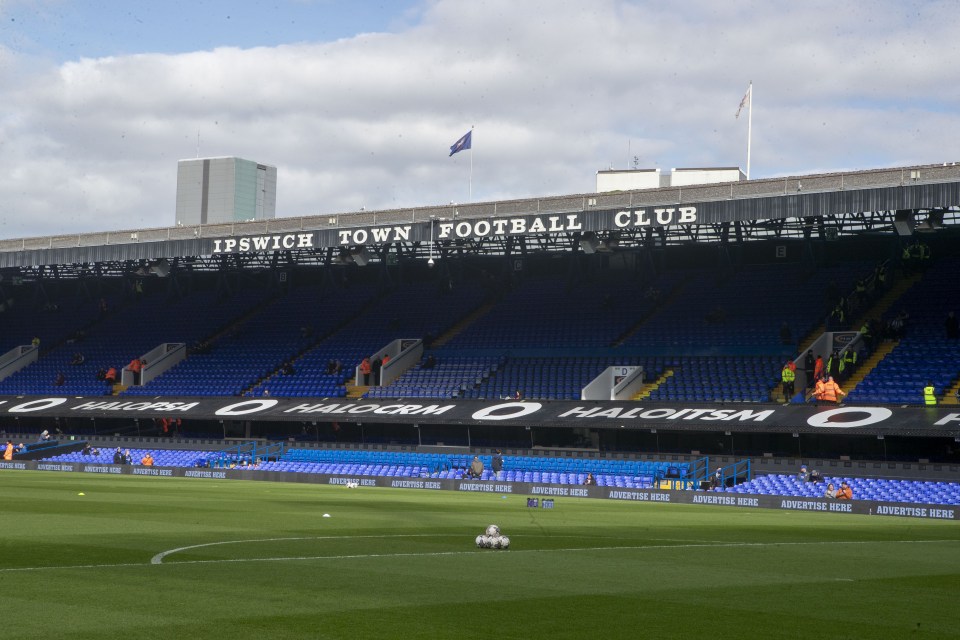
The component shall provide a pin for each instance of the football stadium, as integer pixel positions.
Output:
(725, 407)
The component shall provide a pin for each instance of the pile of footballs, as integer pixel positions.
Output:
(493, 539)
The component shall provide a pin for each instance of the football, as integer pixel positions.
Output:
(493, 530)
(480, 542)
(504, 542)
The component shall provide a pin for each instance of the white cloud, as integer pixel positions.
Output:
(556, 90)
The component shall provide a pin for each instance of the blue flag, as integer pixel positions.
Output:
(462, 143)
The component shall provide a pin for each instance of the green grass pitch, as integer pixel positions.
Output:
(187, 558)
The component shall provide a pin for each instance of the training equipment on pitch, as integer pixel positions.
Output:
(492, 539)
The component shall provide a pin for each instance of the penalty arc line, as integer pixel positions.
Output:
(452, 553)
(719, 545)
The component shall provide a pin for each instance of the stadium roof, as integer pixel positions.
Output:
(890, 201)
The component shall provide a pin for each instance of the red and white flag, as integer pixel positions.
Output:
(745, 102)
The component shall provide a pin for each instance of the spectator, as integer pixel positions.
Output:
(127, 457)
(288, 369)
(35, 342)
(77, 359)
(8, 451)
(830, 391)
(60, 380)
(118, 456)
(589, 480)
(716, 481)
(430, 362)
(135, 366)
(476, 468)
(833, 364)
(898, 326)
(375, 368)
(110, 376)
(830, 492)
(803, 475)
(808, 368)
(817, 370)
(497, 463)
(517, 395)
(815, 476)
(929, 395)
(847, 362)
(866, 334)
(844, 492)
(147, 460)
(787, 378)
(366, 368)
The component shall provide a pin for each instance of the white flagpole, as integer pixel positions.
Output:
(749, 125)
(470, 191)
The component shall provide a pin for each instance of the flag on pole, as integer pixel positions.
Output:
(462, 143)
(745, 102)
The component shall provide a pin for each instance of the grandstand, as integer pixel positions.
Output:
(695, 296)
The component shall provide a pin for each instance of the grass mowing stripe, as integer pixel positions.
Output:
(401, 563)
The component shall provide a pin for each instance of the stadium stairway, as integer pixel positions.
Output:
(951, 395)
(649, 388)
(355, 391)
(463, 324)
(887, 300)
(864, 369)
(881, 306)
(676, 293)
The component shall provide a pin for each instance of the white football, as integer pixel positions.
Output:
(504, 542)
(495, 542)
(480, 541)
(493, 530)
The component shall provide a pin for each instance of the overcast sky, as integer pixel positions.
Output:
(357, 102)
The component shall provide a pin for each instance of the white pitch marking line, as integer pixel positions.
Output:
(454, 553)
(158, 559)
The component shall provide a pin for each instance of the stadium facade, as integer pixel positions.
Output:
(811, 220)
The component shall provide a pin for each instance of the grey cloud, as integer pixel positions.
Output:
(557, 90)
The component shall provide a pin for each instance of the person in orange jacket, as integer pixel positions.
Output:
(135, 366)
(365, 369)
(844, 492)
(828, 391)
(147, 460)
(8, 451)
(832, 391)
